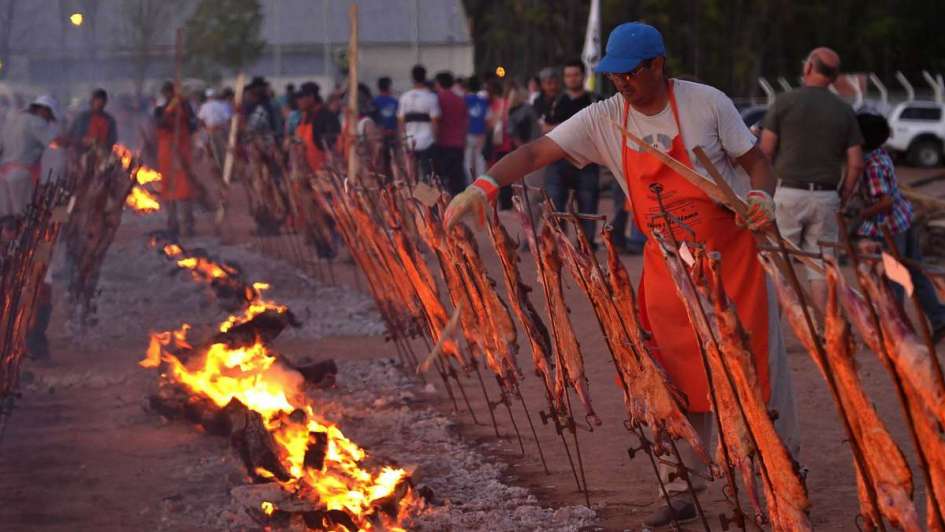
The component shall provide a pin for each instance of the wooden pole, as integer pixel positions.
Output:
(234, 125)
(351, 128)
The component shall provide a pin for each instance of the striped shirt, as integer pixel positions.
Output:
(878, 181)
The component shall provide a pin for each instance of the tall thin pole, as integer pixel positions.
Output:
(351, 127)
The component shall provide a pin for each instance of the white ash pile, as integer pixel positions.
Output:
(140, 290)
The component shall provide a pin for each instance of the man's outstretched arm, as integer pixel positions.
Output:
(511, 168)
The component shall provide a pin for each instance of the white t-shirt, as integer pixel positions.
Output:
(214, 113)
(707, 117)
(420, 101)
(25, 137)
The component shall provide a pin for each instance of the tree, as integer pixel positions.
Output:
(726, 43)
(143, 22)
(223, 33)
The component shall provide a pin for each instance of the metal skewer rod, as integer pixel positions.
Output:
(575, 218)
(541, 454)
(894, 373)
(713, 396)
(504, 399)
(917, 306)
(855, 444)
(540, 263)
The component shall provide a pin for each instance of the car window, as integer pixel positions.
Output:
(933, 114)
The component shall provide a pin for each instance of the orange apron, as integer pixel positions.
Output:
(314, 156)
(175, 183)
(97, 131)
(661, 309)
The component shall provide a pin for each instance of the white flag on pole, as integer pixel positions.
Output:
(592, 50)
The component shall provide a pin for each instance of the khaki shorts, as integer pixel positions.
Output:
(806, 217)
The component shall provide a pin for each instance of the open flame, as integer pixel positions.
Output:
(255, 377)
(140, 199)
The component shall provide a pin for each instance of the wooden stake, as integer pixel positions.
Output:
(351, 126)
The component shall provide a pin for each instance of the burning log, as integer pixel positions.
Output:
(263, 327)
(225, 280)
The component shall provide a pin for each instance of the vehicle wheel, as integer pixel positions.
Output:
(925, 153)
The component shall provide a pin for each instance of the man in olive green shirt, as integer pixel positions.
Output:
(810, 134)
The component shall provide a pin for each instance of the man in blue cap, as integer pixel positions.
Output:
(673, 116)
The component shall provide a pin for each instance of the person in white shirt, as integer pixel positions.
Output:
(214, 115)
(25, 136)
(419, 114)
(674, 117)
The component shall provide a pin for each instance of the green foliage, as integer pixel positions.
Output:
(727, 43)
(223, 34)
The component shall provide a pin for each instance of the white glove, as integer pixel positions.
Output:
(760, 210)
(476, 198)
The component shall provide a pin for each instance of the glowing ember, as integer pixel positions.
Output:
(267, 507)
(142, 201)
(256, 307)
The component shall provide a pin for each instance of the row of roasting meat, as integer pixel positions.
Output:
(391, 234)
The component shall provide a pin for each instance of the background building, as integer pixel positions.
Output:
(129, 44)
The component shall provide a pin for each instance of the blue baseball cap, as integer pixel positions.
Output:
(628, 45)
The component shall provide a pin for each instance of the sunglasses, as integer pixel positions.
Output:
(625, 77)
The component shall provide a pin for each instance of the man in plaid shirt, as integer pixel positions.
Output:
(885, 205)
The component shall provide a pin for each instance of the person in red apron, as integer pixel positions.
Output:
(175, 125)
(672, 116)
(94, 126)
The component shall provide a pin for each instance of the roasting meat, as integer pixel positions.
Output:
(532, 324)
(570, 361)
(790, 496)
(653, 399)
(497, 317)
(910, 355)
(888, 469)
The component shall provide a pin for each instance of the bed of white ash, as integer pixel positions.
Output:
(140, 290)
(374, 403)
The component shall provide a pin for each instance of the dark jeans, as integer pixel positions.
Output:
(907, 243)
(449, 166)
(620, 220)
(173, 224)
(562, 177)
(425, 163)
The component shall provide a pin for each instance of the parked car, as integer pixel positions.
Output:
(753, 115)
(918, 132)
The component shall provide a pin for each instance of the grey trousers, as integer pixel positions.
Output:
(16, 191)
(781, 401)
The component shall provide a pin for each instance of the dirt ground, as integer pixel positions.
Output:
(80, 453)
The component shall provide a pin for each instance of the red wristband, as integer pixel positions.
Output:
(487, 185)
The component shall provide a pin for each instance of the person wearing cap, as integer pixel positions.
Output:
(674, 117)
(550, 84)
(176, 123)
(94, 126)
(25, 137)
